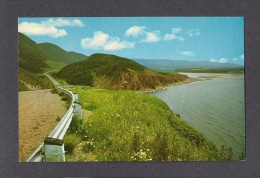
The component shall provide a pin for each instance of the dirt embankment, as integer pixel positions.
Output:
(39, 113)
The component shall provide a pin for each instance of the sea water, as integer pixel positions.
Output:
(215, 106)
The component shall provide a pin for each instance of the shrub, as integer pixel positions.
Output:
(75, 124)
(58, 118)
(70, 142)
(54, 90)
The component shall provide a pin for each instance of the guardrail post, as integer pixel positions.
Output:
(54, 150)
(77, 109)
(76, 96)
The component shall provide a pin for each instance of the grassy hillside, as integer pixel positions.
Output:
(114, 72)
(54, 65)
(31, 63)
(30, 81)
(78, 56)
(58, 54)
(31, 56)
(126, 126)
(35, 59)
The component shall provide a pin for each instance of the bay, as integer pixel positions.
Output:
(214, 105)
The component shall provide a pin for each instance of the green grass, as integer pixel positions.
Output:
(61, 81)
(36, 81)
(31, 56)
(60, 55)
(82, 73)
(114, 72)
(55, 65)
(64, 97)
(126, 126)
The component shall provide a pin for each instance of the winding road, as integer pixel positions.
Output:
(55, 83)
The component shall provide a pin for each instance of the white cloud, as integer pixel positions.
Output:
(103, 41)
(135, 31)
(99, 40)
(242, 57)
(187, 53)
(152, 37)
(48, 27)
(213, 60)
(168, 37)
(235, 59)
(63, 22)
(117, 44)
(148, 37)
(193, 32)
(173, 35)
(180, 38)
(223, 60)
(176, 30)
(31, 28)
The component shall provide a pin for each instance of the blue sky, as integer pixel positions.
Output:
(215, 39)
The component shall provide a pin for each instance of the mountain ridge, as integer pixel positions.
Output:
(173, 65)
(34, 60)
(115, 72)
(61, 55)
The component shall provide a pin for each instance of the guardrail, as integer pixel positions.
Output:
(60, 130)
(54, 140)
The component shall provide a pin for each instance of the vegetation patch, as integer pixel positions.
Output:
(114, 72)
(31, 81)
(126, 126)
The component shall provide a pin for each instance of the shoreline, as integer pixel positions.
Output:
(187, 81)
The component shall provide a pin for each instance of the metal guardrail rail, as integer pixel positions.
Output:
(59, 131)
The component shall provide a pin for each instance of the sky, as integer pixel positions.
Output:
(214, 39)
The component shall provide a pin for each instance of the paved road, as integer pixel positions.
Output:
(52, 79)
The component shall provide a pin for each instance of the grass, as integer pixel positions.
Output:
(114, 72)
(61, 81)
(126, 126)
(55, 65)
(31, 81)
(65, 97)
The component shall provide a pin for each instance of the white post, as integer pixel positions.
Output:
(78, 110)
(76, 96)
(54, 150)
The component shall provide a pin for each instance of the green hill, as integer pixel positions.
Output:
(78, 56)
(35, 59)
(114, 72)
(31, 56)
(30, 81)
(58, 54)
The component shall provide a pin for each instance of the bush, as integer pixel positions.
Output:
(70, 142)
(75, 124)
(54, 90)
(58, 118)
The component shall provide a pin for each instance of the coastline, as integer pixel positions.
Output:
(186, 81)
(189, 80)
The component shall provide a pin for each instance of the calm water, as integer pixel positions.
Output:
(213, 106)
